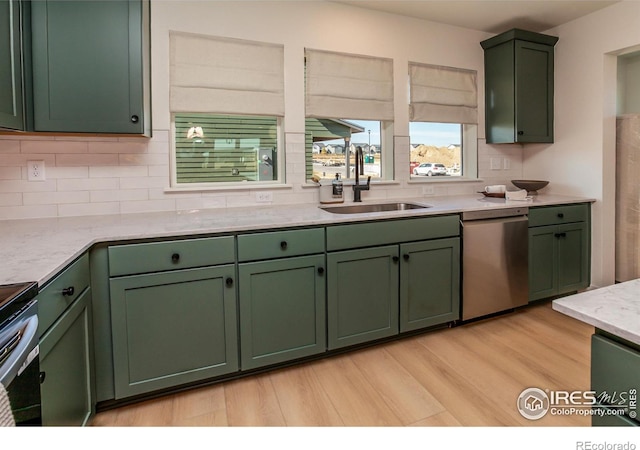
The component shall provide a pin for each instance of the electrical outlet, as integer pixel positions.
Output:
(35, 171)
(427, 190)
(507, 164)
(264, 197)
(496, 164)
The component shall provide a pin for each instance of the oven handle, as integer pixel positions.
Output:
(24, 352)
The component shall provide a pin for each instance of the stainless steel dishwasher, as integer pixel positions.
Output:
(494, 261)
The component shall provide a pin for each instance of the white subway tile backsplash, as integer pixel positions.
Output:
(99, 159)
(55, 198)
(11, 199)
(53, 146)
(110, 175)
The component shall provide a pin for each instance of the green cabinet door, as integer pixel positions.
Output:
(11, 69)
(66, 360)
(558, 259)
(282, 310)
(362, 295)
(171, 328)
(573, 257)
(543, 262)
(429, 283)
(88, 66)
(534, 92)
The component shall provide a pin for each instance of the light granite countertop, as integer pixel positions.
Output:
(37, 249)
(615, 309)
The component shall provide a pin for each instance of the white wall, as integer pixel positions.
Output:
(100, 175)
(582, 159)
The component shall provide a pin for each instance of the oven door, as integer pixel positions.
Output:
(20, 367)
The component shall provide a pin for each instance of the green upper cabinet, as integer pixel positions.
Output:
(15, 60)
(91, 66)
(518, 68)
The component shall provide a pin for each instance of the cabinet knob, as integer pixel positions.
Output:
(135, 119)
(229, 282)
(406, 256)
(395, 259)
(560, 215)
(559, 235)
(43, 375)
(520, 133)
(283, 245)
(175, 258)
(68, 291)
(320, 270)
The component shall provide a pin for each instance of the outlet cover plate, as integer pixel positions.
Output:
(36, 171)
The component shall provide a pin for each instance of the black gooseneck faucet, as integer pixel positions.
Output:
(357, 188)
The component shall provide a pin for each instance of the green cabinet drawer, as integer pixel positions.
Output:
(555, 215)
(342, 237)
(131, 259)
(55, 297)
(280, 244)
(615, 369)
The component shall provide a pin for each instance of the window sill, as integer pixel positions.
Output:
(228, 187)
(444, 180)
(350, 182)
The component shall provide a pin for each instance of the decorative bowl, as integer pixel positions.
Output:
(530, 185)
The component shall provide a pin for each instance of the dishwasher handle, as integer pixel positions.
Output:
(470, 223)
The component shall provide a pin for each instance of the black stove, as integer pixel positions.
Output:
(14, 298)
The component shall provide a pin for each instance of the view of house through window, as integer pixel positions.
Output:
(331, 147)
(436, 149)
(225, 148)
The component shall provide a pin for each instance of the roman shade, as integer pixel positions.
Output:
(226, 76)
(348, 86)
(442, 94)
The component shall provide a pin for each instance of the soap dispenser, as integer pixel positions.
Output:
(336, 184)
(333, 191)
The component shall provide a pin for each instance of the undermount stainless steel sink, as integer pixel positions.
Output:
(373, 207)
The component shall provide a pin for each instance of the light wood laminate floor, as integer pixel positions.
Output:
(469, 375)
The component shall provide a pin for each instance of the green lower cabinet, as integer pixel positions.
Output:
(282, 310)
(615, 375)
(558, 259)
(429, 283)
(66, 360)
(362, 295)
(172, 328)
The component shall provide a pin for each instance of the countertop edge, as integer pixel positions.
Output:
(63, 240)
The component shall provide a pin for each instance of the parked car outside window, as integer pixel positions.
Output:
(430, 169)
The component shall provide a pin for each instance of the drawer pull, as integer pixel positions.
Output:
(68, 291)
(42, 377)
(283, 245)
(406, 256)
(229, 282)
(520, 133)
(175, 258)
(560, 215)
(320, 270)
(134, 119)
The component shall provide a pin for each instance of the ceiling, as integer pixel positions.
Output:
(489, 15)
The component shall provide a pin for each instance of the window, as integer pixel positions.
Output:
(227, 105)
(349, 104)
(225, 148)
(443, 127)
(331, 147)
